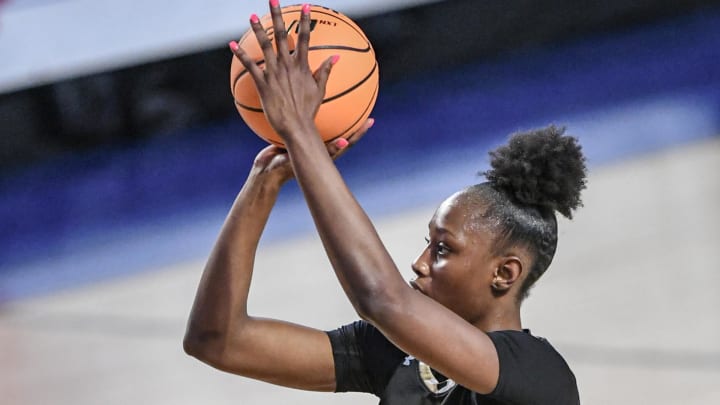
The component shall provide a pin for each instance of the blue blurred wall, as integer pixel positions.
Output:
(86, 217)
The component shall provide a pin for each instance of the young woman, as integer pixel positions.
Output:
(454, 335)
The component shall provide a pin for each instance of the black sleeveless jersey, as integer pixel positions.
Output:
(531, 371)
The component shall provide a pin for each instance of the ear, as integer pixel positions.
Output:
(507, 273)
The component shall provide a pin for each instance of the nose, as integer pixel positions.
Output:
(420, 265)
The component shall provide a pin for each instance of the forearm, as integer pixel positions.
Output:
(220, 305)
(361, 262)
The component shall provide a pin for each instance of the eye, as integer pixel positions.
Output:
(438, 249)
(442, 249)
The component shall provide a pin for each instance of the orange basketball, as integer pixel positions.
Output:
(351, 89)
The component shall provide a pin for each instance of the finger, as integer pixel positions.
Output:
(340, 146)
(279, 30)
(264, 42)
(358, 135)
(337, 147)
(247, 62)
(266, 155)
(304, 37)
(323, 72)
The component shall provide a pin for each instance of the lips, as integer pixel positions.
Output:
(413, 283)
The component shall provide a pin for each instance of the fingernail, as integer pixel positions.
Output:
(341, 143)
(254, 19)
(233, 45)
(371, 122)
(306, 8)
(334, 59)
(274, 3)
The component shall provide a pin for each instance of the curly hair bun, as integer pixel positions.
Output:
(542, 168)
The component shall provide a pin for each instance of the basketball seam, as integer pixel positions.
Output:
(367, 107)
(355, 86)
(312, 48)
(340, 47)
(342, 93)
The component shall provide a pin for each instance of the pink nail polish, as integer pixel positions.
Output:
(254, 19)
(306, 8)
(334, 59)
(342, 143)
(371, 122)
(274, 3)
(233, 45)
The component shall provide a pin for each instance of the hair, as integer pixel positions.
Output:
(536, 174)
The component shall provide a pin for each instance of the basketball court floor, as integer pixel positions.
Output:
(632, 300)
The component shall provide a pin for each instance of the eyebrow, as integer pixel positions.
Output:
(442, 230)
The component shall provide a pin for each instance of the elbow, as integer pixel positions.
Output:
(367, 308)
(204, 346)
(379, 304)
(192, 347)
(218, 350)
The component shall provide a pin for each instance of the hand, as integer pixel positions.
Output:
(291, 94)
(274, 161)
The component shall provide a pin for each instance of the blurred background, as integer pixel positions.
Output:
(121, 152)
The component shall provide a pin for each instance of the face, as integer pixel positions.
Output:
(457, 266)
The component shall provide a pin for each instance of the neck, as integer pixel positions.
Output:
(500, 317)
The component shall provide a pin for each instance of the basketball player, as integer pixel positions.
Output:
(454, 334)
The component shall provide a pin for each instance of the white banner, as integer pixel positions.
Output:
(43, 41)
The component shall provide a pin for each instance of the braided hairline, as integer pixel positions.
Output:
(534, 228)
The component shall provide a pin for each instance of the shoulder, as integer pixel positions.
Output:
(516, 342)
(361, 333)
(532, 370)
(364, 358)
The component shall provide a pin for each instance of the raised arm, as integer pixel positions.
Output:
(420, 326)
(220, 332)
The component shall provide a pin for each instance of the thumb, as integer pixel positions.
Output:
(323, 72)
(265, 156)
